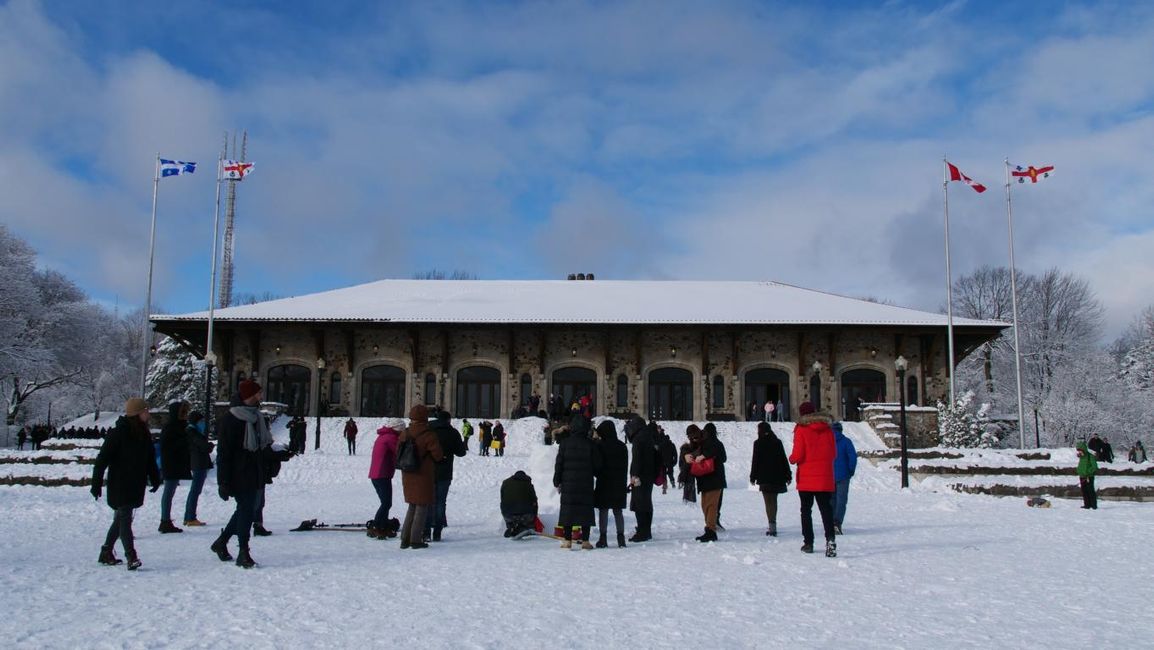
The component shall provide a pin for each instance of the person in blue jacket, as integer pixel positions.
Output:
(844, 467)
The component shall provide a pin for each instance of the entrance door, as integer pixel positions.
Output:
(478, 392)
(671, 394)
(858, 387)
(767, 384)
(289, 385)
(573, 383)
(383, 392)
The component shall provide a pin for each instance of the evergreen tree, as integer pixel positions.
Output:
(174, 375)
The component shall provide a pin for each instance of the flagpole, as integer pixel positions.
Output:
(209, 356)
(1014, 301)
(949, 279)
(145, 338)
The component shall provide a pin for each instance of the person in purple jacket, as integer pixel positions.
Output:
(844, 467)
(381, 470)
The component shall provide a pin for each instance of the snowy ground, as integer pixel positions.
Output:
(916, 569)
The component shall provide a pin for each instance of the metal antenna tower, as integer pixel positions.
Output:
(226, 270)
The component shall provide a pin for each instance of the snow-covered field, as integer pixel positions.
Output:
(916, 569)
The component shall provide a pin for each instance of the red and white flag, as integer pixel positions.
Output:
(957, 175)
(1031, 172)
(234, 170)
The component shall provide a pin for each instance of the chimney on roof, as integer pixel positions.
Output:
(588, 276)
(580, 276)
(572, 276)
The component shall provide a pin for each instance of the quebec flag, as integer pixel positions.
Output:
(176, 168)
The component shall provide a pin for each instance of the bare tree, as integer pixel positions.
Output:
(435, 274)
(985, 295)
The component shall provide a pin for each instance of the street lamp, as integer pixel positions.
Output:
(901, 364)
(320, 371)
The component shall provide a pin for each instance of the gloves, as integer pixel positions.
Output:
(634, 481)
(154, 488)
(223, 492)
(96, 491)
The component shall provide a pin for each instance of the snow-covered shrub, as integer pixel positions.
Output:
(960, 425)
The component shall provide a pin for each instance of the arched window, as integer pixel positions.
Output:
(288, 384)
(912, 390)
(861, 386)
(335, 389)
(383, 391)
(478, 392)
(573, 383)
(671, 394)
(764, 385)
(431, 389)
(526, 389)
(622, 391)
(718, 392)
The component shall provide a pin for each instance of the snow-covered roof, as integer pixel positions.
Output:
(621, 302)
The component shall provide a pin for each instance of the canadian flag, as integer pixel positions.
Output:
(957, 175)
(235, 170)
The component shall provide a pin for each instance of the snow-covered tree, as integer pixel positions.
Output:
(174, 374)
(961, 425)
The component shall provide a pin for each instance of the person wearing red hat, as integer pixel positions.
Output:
(244, 462)
(814, 450)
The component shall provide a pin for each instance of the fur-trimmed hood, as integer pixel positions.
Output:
(820, 416)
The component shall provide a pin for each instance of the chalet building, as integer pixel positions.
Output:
(669, 350)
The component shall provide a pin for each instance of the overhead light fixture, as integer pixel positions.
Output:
(574, 351)
(673, 350)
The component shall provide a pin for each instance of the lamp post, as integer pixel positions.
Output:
(320, 371)
(901, 364)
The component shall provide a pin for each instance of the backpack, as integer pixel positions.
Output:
(408, 460)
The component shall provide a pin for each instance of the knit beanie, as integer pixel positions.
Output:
(419, 413)
(247, 389)
(135, 406)
(806, 408)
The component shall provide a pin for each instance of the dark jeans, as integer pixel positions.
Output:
(384, 488)
(121, 529)
(436, 519)
(166, 498)
(240, 524)
(824, 506)
(194, 489)
(352, 446)
(840, 500)
(1089, 496)
(258, 507)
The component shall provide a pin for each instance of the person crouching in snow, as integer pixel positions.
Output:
(1087, 468)
(518, 503)
(578, 461)
(382, 468)
(130, 458)
(814, 450)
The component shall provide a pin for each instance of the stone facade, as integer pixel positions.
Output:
(714, 357)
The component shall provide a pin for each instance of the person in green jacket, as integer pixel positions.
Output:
(467, 432)
(1087, 468)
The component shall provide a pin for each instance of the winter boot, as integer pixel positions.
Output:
(709, 536)
(244, 559)
(436, 534)
(192, 523)
(586, 546)
(620, 540)
(167, 526)
(601, 541)
(220, 547)
(772, 532)
(807, 547)
(830, 548)
(260, 531)
(567, 544)
(419, 545)
(133, 560)
(108, 557)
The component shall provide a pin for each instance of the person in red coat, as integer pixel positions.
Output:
(814, 450)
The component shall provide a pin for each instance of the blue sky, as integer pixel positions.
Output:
(637, 140)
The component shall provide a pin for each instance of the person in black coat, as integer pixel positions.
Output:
(199, 462)
(642, 473)
(174, 462)
(689, 450)
(770, 471)
(453, 446)
(130, 458)
(612, 481)
(668, 452)
(518, 503)
(710, 429)
(245, 463)
(578, 461)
